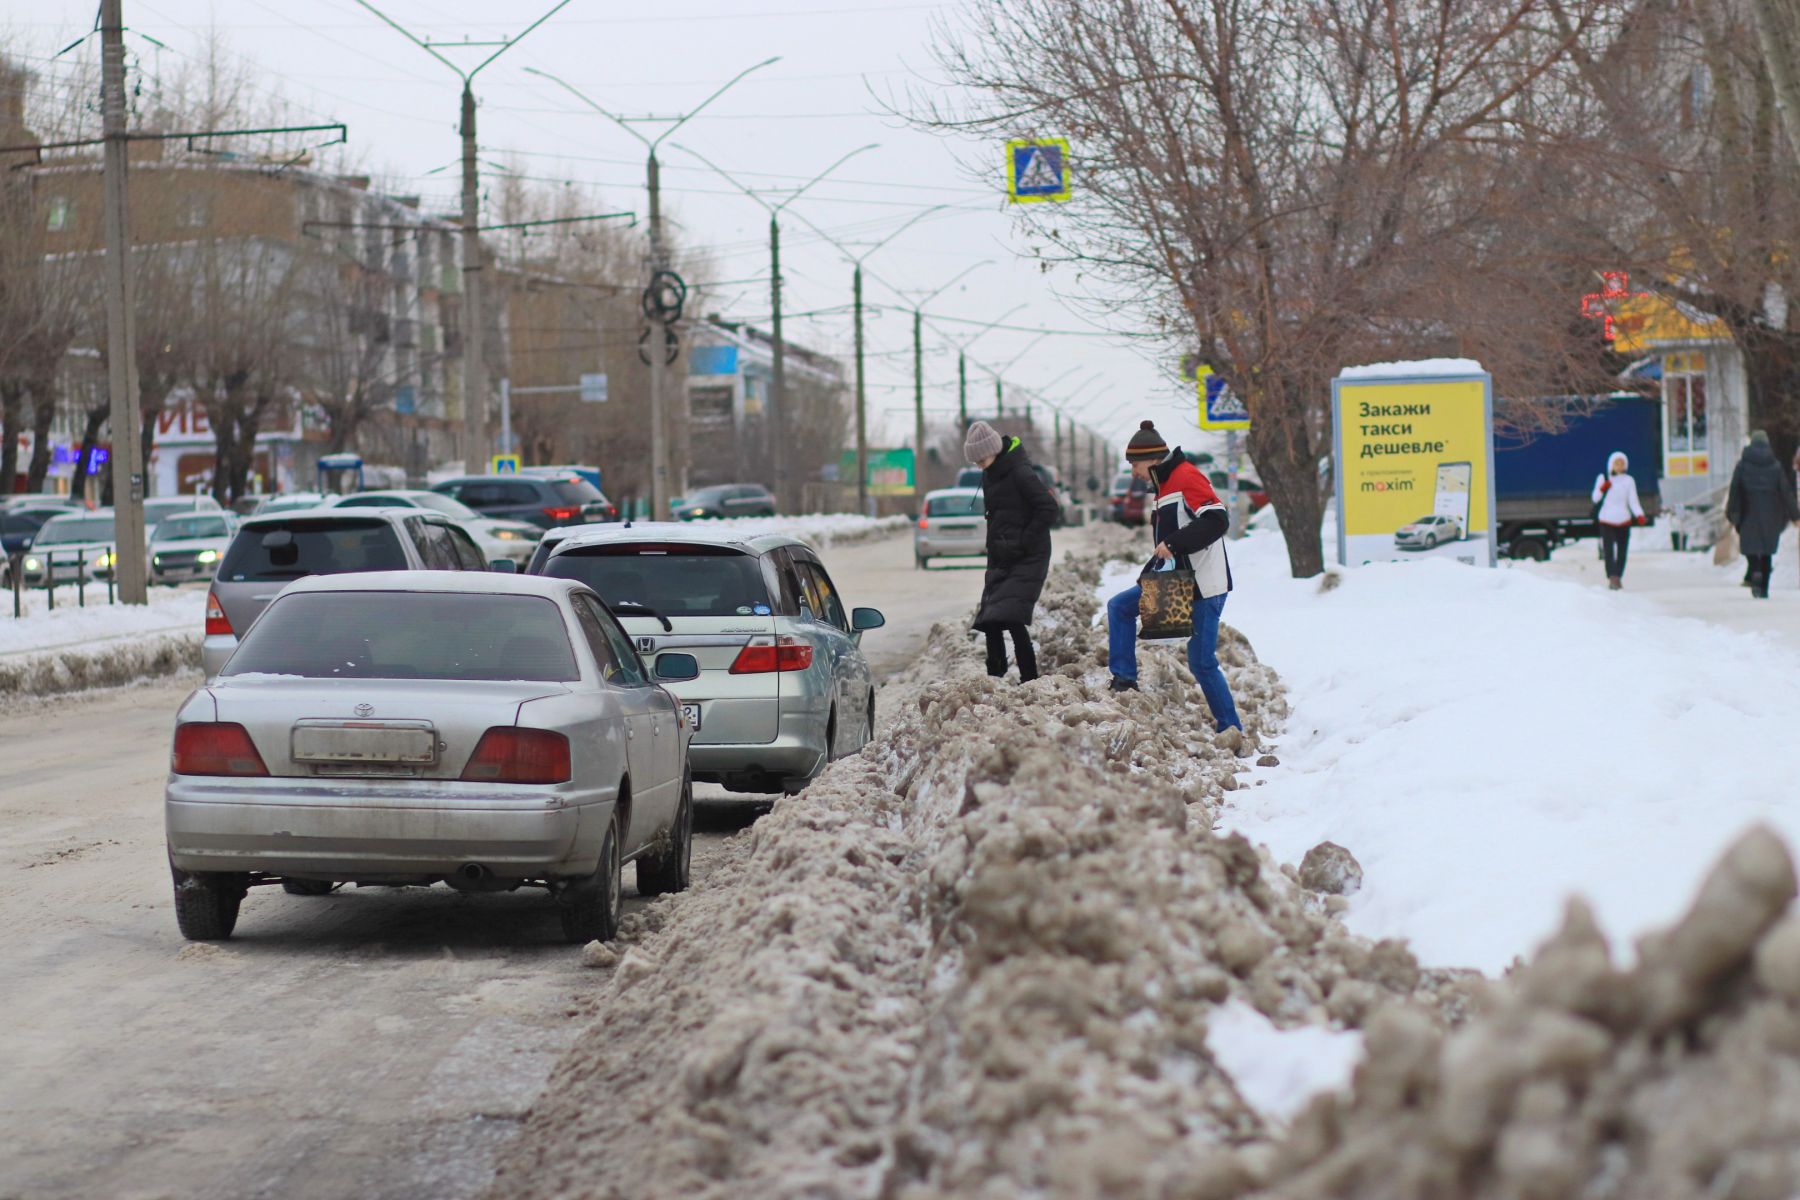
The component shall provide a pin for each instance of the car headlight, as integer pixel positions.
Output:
(32, 564)
(509, 535)
(104, 561)
(208, 556)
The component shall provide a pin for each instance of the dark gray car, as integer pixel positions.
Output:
(271, 552)
(544, 500)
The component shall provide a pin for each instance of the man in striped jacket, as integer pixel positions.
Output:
(1189, 527)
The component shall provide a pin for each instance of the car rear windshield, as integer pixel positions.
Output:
(675, 580)
(956, 506)
(315, 546)
(575, 491)
(408, 635)
(84, 529)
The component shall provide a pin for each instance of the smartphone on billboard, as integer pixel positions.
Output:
(1455, 480)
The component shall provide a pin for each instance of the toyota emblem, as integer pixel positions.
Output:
(646, 645)
(364, 710)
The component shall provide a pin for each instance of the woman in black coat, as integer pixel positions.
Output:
(1020, 513)
(1761, 504)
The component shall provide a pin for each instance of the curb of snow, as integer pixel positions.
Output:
(110, 663)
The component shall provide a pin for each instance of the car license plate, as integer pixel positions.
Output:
(691, 714)
(364, 742)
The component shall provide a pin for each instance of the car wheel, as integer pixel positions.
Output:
(869, 728)
(589, 906)
(831, 736)
(307, 887)
(668, 869)
(206, 904)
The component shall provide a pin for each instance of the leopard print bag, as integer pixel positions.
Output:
(1166, 607)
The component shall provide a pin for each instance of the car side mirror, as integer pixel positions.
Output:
(674, 668)
(505, 566)
(866, 618)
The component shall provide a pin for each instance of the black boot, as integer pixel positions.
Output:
(1121, 684)
(1026, 653)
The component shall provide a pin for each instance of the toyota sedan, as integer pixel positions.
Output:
(485, 731)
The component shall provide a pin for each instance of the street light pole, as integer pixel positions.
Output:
(659, 463)
(778, 390)
(474, 432)
(130, 559)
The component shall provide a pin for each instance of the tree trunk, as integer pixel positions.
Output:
(43, 412)
(12, 405)
(90, 438)
(1288, 467)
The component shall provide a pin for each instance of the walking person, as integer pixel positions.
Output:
(1617, 509)
(1020, 513)
(1188, 525)
(1761, 503)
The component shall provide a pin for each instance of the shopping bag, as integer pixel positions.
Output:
(1166, 605)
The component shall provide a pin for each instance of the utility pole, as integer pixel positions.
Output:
(919, 411)
(663, 318)
(130, 557)
(474, 401)
(999, 399)
(862, 402)
(778, 388)
(962, 389)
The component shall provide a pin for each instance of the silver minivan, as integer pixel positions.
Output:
(954, 524)
(270, 552)
(783, 686)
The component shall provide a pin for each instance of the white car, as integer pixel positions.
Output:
(190, 546)
(70, 548)
(1428, 532)
(513, 540)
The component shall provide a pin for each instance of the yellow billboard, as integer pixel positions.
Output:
(1415, 462)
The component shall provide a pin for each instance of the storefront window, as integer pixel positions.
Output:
(1684, 399)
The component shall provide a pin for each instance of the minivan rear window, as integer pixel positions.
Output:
(675, 580)
(956, 506)
(317, 546)
(408, 635)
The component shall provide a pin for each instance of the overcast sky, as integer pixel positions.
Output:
(779, 126)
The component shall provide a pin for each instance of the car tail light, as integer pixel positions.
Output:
(562, 514)
(508, 754)
(783, 654)
(216, 621)
(924, 524)
(215, 748)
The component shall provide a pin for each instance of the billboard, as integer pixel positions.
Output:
(1414, 446)
(890, 471)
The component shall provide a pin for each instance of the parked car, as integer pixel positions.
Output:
(68, 548)
(514, 540)
(783, 687)
(19, 523)
(1248, 488)
(269, 552)
(725, 500)
(398, 728)
(954, 524)
(189, 546)
(291, 502)
(1130, 500)
(542, 500)
(1427, 532)
(970, 477)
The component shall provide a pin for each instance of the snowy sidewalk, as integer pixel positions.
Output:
(1489, 742)
(71, 648)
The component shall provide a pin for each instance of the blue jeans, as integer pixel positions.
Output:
(1202, 649)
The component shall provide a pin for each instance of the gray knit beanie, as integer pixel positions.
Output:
(983, 442)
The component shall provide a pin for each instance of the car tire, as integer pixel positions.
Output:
(589, 906)
(307, 887)
(869, 725)
(831, 732)
(668, 870)
(206, 904)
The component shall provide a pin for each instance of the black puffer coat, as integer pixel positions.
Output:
(1762, 500)
(1020, 513)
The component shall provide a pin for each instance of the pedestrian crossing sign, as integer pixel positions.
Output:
(504, 464)
(1220, 407)
(1037, 169)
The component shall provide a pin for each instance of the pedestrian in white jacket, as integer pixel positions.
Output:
(1617, 510)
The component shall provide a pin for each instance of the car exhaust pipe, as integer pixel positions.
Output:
(473, 874)
(475, 877)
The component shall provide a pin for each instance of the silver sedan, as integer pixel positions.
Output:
(486, 731)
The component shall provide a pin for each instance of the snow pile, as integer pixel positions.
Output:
(1676, 1078)
(43, 628)
(819, 529)
(1489, 742)
(1420, 368)
(71, 648)
(979, 958)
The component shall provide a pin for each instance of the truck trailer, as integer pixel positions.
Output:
(1544, 482)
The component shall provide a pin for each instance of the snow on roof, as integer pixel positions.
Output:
(1417, 368)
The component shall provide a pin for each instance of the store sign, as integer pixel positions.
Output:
(1415, 463)
(890, 471)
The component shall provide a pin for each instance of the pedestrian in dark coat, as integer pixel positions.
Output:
(1760, 505)
(1020, 513)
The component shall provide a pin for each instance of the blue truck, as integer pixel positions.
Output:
(1544, 481)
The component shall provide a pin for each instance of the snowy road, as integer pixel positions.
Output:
(375, 1043)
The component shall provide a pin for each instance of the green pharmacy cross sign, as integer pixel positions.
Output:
(1037, 169)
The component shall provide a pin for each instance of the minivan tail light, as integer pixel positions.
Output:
(783, 654)
(215, 748)
(924, 524)
(562, 514)
(216, 621)
(508, 754)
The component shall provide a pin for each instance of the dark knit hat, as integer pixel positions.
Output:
(1146, 444)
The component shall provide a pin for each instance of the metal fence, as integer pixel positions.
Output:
(51, 564)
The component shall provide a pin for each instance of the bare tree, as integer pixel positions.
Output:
(1290, 186)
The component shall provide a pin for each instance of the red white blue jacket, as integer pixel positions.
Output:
(1192, 521)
